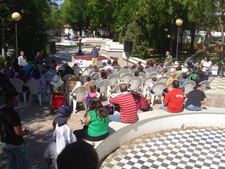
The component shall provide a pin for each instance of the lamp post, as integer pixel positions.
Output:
(179, 23)
(16, 17)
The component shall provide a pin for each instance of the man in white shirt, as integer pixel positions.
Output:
(22, 60)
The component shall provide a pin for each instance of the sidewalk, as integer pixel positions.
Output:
(39, 121)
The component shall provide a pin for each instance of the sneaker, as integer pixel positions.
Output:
(204, 108)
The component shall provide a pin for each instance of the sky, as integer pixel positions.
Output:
(59, 1)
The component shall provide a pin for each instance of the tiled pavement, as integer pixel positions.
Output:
(38, 120)
(177, 149)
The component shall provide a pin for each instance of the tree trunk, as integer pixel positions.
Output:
(3, 39)
(192, 40)
(222, 31)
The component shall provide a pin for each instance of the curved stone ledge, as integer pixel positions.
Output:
(155, 121)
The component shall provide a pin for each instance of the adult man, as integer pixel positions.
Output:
(108, 67)
(168, 60)
(174, 99)
(200, 77)
(22, 60)
(128, 109)
(195, 98)
(94, 55)
(12, 138)
(39, 59)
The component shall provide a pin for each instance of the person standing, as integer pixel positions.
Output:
(168, 60)
(94, 55)
(22, 60)
(39, 59)
(13, 142)
(195, 98)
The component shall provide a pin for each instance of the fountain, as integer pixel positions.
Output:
(80, 53)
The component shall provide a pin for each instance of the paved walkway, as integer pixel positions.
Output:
(38, 119)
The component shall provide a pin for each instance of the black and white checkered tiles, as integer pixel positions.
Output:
(191, 148)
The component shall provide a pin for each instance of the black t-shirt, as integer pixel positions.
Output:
(12, 138)
(195, 97)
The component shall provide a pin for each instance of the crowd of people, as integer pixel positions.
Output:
(97, 117)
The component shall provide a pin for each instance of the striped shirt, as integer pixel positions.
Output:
(128, 109)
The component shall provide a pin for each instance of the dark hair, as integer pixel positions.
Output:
(88, 79)
(78, 155)
(95, 103)
(136, 73)
(115, 62)
(103, 74)
(200, 74)
(179, 67)
(10, 94)
(176, 84)
(184, 75)
(207, 57)
(109, 62)
(21, 73)
(133, 66)
(139, 62)
(36, 74)
(93, 88)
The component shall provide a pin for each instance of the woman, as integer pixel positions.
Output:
(96, 123)
(206, 65)
(36, 76)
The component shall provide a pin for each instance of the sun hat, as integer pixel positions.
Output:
(63, 113)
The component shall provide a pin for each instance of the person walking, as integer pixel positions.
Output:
(12, 137)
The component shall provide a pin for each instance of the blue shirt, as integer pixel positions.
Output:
(94, 52)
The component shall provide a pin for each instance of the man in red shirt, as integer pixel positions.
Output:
(128, 109)
(173, 102)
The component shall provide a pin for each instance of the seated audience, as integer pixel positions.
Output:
(179, 70)
(96, 123)
(200, 77)
(21, 76)
(115, 62)
(36, 76)
(184, 79)
(87, 98)
(173, 101)
(108, 67)
(172, 77)
(195, 98)
(128, 109)
(206, 65)
(80, 155)
(88, 79)
(103, 75)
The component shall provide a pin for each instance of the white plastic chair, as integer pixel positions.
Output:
(158, 90)
(114, 79)
(123, 71)
(148, 71)
(91, 83)
(116, 89)
(78, 95)
(18, 84)
(170, 86)
(34, 86)
(77, 71)
(134, 70)
(96, 77)
(163, 79)
(126, 77)
(83, 78)
(154, 74)
(87, 70)
(116, 69)
(142, 75)
(146, 82)
(204, 84)
(188, 86)
(135, 84)
(66, 77)
(105, 88)
(179, 76)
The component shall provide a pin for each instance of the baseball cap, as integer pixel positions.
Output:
(63, 112)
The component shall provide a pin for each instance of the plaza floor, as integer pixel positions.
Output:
(38, 120)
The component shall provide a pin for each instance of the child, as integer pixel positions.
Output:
(87, 98)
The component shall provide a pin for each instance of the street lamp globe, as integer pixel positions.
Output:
(179, 22)
(16, 16)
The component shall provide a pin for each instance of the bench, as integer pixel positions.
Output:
(155, 121)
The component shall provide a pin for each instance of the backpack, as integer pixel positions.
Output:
(141, 102)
